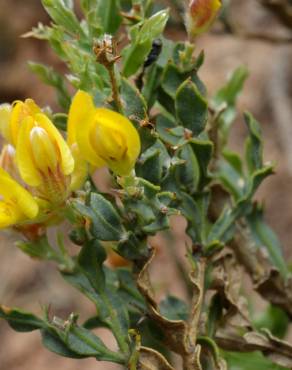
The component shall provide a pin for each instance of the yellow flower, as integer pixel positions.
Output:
(5, 114)
(75, 118)
(43, 158)
(11, 117)
(17, 205)
(8, 161)
(200, 15)
(104, 137)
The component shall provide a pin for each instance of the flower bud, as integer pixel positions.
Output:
(44, 159)
(104, 137)
(200, 16)
(17, 205)
(20, 111)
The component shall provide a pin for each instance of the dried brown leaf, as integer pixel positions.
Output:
(150, 359)
(227, 280)
(175, 331)
(278, 351)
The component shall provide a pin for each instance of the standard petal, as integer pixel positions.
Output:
(82, 103)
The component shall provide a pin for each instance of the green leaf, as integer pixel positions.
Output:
(215, 311)
(234, 160)
(21, 321)
(231, 179)
(133, 102)
(63, 15)
(154, 26)
(164, 127)
(90, 259)
(151, 83)
(75, 341)
(253, 144)
(229, 93)
(152, 163)
(52, 78)
(195, 210)
(257, 178)
(161, 223)
(203, 150)
(173, 77)
(118, 314)
(39, 248)
(191, 107)
(106, 223)
(85, 343)
(143, 35)
(264, 237)
(174, 308)
(227, 96)
(223, 229)
(128, 289)
(133, 248)
(108, 14)
(274, 319)
(87, 5)
(189, 173)
(249, 361)
(54, 344)
(80, 282)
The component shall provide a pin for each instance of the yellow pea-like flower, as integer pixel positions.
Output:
(104, 137)
(12, 116)
(5, 114)
(17, 205)
(75, 121)
(200, 15)
(8, 162)
(43, 158)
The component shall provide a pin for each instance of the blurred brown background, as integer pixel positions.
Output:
(260, 41)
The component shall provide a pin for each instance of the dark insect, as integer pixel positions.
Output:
(154, 53)
(151, 58)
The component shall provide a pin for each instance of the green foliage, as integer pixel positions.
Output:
(191, 107)
(142, 35)
(248, 361)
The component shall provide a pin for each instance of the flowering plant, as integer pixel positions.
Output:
(141, 111)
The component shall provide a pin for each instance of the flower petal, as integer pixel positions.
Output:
(67, 161)
(15, 196)
(82, 103)
(124, 126)
(24, 156)
(80, 169)
(5, 114)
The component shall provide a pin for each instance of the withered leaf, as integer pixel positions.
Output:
(175, 331)
(278, 351)
(227, 280)
(149, 359)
